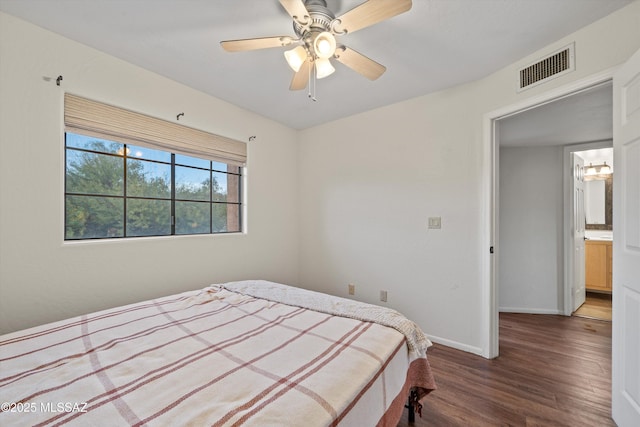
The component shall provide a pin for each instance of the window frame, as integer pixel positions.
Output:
(240, 204)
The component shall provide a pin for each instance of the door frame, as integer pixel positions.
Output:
(490, 202)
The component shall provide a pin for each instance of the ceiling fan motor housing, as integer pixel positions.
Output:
(320, 19)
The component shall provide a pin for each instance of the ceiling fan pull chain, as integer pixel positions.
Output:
(309, 80)
(311, 68)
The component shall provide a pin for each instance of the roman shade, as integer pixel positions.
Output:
(100, 120)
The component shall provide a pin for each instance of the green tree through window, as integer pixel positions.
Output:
(117, 190)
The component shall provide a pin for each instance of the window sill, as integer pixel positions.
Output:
(124, 240)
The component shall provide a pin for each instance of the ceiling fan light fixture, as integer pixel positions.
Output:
(316, 27)
(323, 68)
(324, 45)
(296, 57)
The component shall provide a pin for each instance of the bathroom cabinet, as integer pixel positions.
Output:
(598, 259)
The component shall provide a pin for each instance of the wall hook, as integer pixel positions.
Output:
(58, 80)
(252, 138)
(179, 115)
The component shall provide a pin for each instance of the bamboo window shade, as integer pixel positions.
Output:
(100, 120)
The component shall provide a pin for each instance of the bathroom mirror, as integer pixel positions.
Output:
(598, 200)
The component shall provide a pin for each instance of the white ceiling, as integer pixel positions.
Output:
(597, 157)
(584, 117)
(437, 44)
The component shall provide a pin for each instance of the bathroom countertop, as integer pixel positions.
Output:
(599, 235)
(603, 235)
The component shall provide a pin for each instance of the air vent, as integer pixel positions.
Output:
(559, 63)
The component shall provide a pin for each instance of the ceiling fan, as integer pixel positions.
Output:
(316, 28)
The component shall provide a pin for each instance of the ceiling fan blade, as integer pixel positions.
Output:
(254, 44)
(297, 10)
(301, 78)
(360, 63)
(369, 13)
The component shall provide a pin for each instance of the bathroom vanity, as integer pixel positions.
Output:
(598, 256)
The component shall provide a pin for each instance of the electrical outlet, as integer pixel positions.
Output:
(383, 296)
(352, 289)
(435, 222)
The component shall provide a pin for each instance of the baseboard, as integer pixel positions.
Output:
(456, 345)
(477, 350)
(529, 310)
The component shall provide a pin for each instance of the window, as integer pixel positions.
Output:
(131, 175)
(120, 190)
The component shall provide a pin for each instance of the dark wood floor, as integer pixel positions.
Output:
(552, 371)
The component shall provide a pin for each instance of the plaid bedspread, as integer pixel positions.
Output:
(207, 357)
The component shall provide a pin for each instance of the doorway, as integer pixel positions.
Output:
(598, 201)
(559, 104)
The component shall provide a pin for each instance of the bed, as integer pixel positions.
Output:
(252, 353)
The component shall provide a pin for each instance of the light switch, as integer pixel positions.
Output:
(435, 222)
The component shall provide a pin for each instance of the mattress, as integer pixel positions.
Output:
(217, 356)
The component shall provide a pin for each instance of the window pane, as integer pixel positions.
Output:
(192, 217)
(233, 188)
(148, 217)
(95, 144)
(233, 218)
(148, 154)
(148, 179)
(90, 217)
(192, 161)
(91, 173)
(225, 217)
(226, 187)
(217, 166)
(219, 187)
(192, 184)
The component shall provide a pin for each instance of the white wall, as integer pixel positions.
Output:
(44, 279)
(368, 184)
(531, 264)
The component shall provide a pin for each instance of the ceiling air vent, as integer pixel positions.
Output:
(555, 65)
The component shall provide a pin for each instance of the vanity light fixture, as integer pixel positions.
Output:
(605, 169)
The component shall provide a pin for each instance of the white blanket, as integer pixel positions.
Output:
(416, 340)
